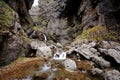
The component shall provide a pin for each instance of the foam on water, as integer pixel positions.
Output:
(59, 56)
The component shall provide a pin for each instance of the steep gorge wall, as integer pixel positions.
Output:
(78, 16)
(91, 13)
(13, 38)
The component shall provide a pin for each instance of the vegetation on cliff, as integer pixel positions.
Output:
(97, 33)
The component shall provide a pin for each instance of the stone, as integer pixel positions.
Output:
(100, 62)
(44, 52)
(101, 50)
(83, 46)
(117, 48)
(69, 64)
(86, 53)
(92, 44)
(109, 44)
(114, 54)
(94, 51)
(112, 75)
(96, 71)
(106, 45)
(59, 45)
(35, 44)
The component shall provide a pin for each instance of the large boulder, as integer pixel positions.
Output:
(70, 64)
(35, 44)
(44, 51)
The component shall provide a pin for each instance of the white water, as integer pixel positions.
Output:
(35, 2)
(59, 56)
(46, 67)
(45, 38)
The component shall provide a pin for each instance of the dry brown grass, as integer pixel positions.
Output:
(20, 68)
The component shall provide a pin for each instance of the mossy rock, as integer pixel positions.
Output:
(97, 33)
(6, 15)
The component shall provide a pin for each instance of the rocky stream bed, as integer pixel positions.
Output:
(54, 61)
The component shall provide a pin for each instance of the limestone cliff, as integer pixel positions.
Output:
(13, 38)
(91, 13)
(91, 19)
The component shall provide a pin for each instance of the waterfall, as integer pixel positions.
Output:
(45, 38)
(59, 56)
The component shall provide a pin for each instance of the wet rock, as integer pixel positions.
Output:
(69, 64)
(100, 62)
(112, 75)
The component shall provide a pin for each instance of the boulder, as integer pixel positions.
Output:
(59, 45)
(35, 44)
(114, 54)
(86, 53)
(112, 75)
(69, 64)
(44, 51)
(100, 62)
(94, 51)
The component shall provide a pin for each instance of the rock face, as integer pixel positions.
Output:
(22, 7)
(64, 20)
(13, 39)
(91, 13)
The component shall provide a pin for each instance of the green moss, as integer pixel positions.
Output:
(24, 36)
(5, 15)
(96, 33)
(36, 28)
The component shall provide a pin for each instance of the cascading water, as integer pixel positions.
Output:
(45, 38)
(59, 56)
